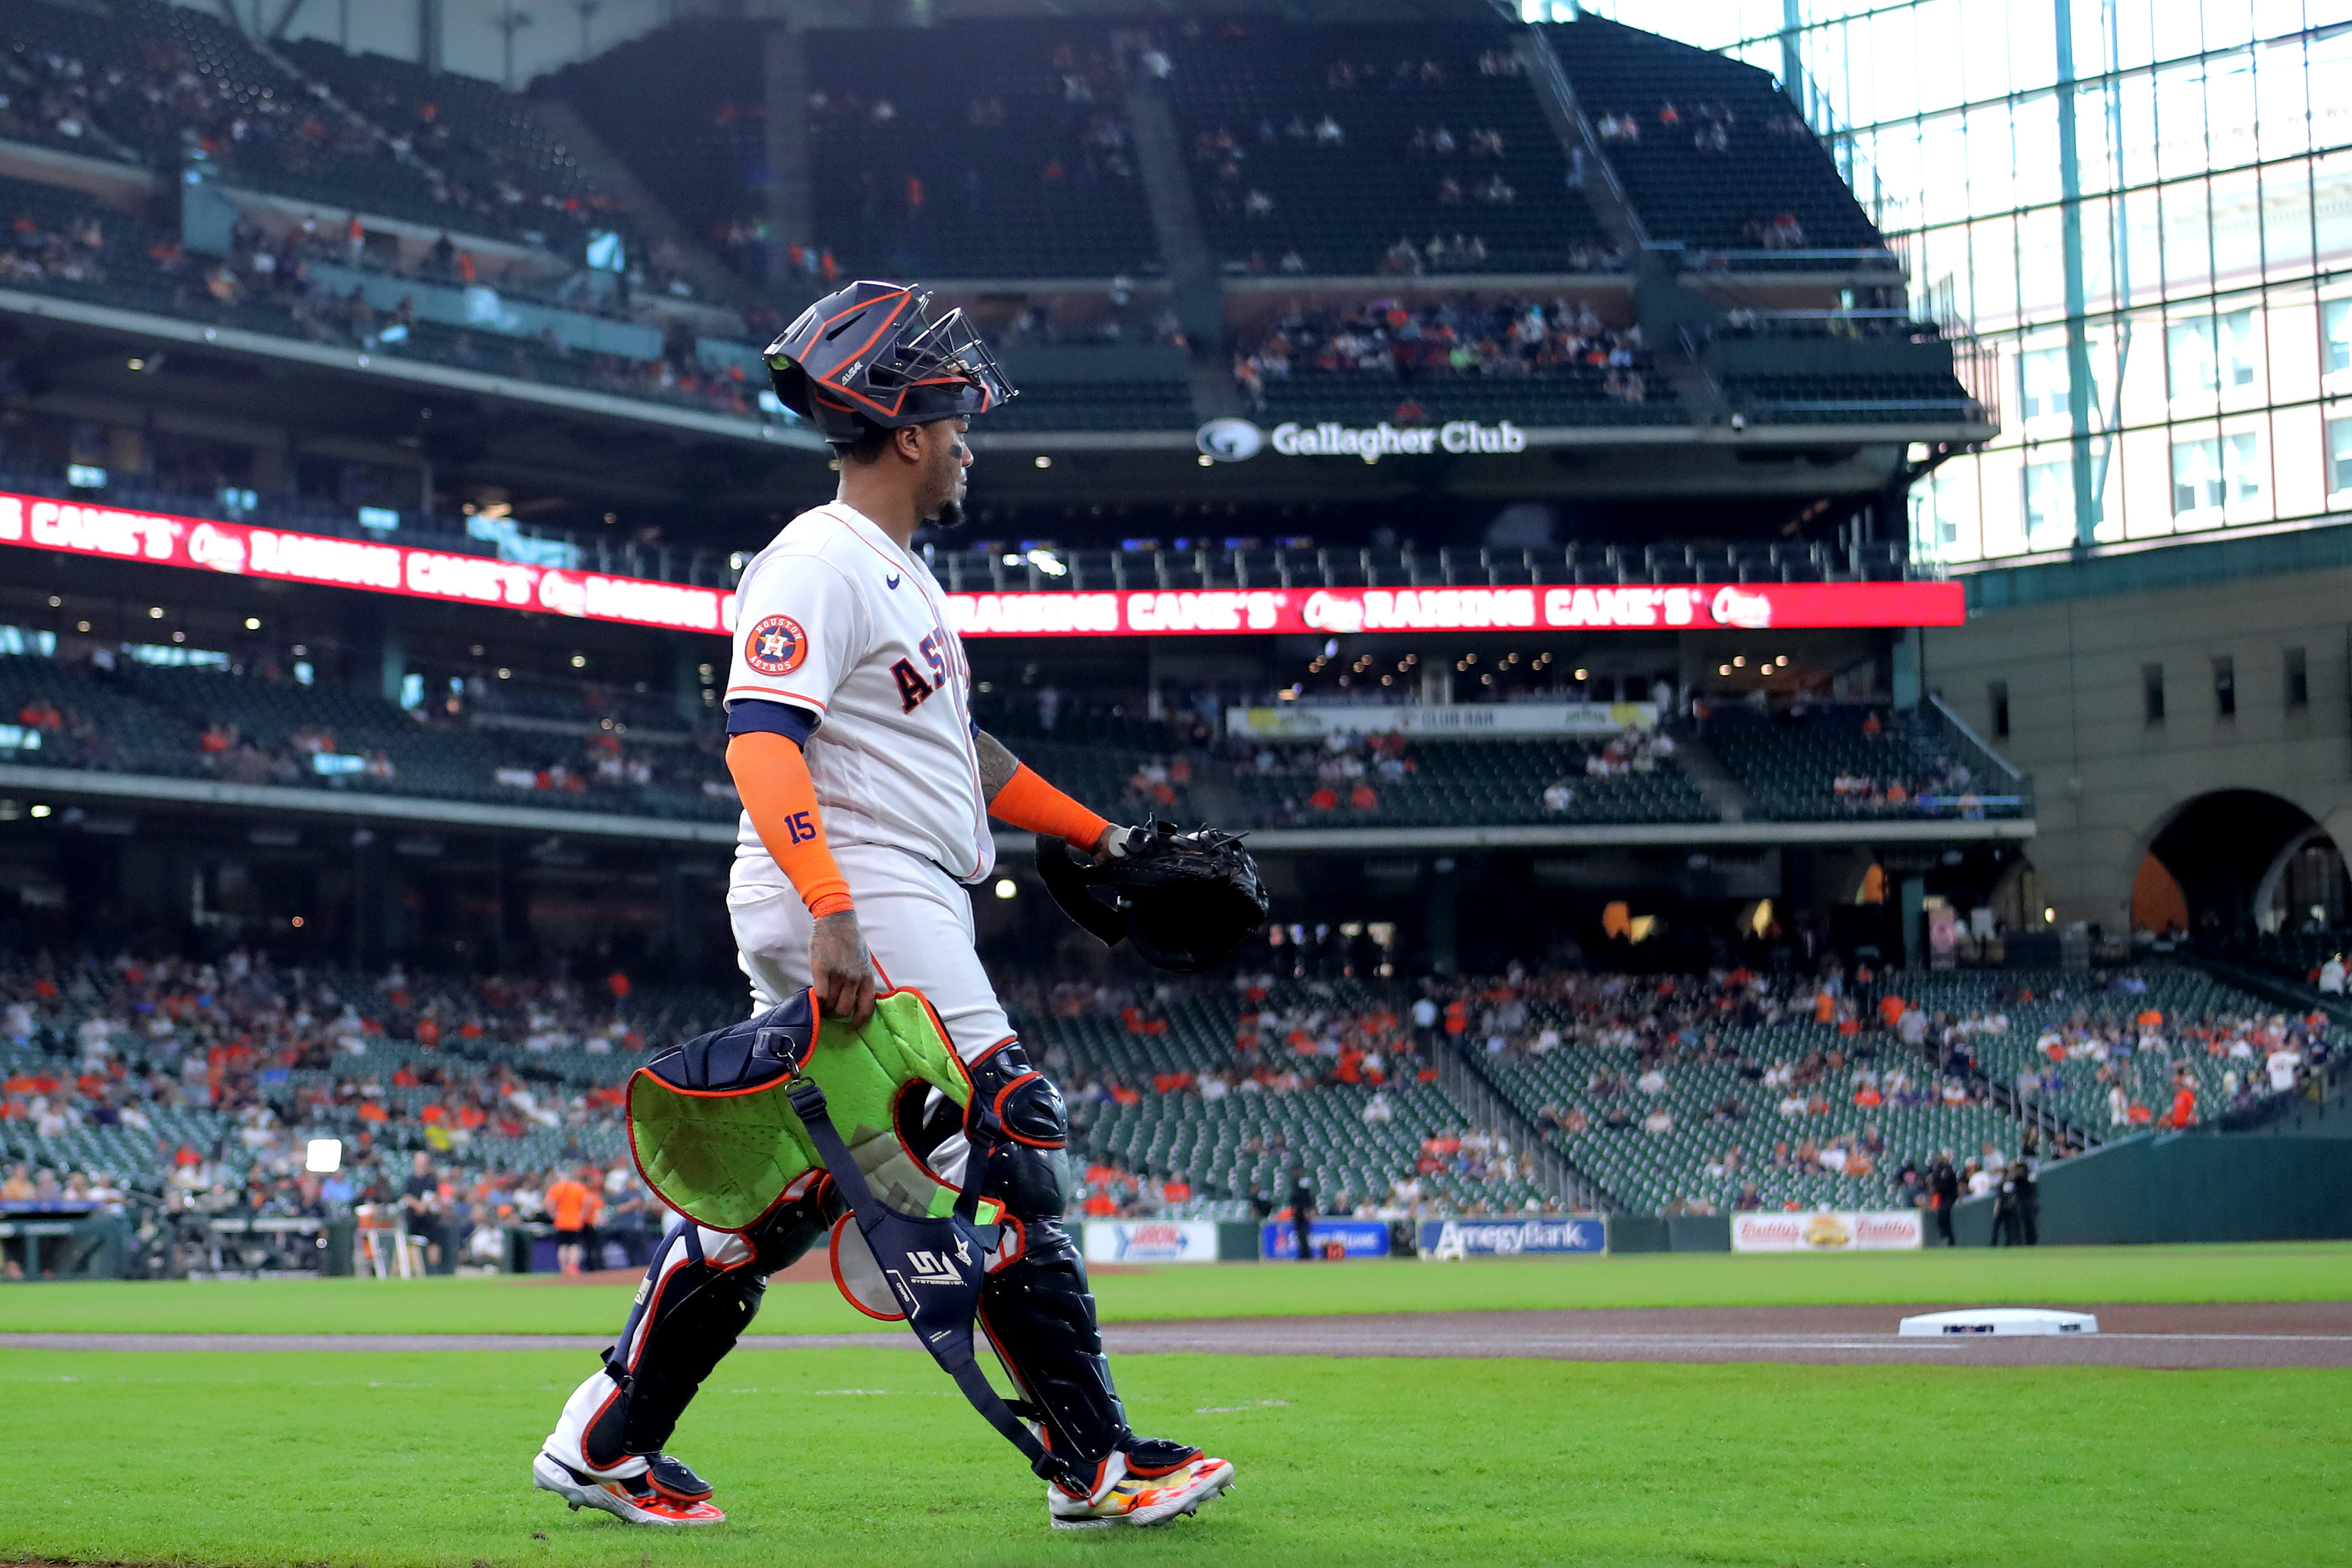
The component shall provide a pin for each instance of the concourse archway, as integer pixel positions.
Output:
(2235, 861)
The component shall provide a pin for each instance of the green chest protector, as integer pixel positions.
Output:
(713, 1127)
(723, 1125)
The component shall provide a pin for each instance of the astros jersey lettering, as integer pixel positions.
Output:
(835, 618)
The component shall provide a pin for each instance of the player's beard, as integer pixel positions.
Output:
(950, 515)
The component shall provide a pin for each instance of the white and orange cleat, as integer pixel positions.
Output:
(665, 1493)
(1134, 1501)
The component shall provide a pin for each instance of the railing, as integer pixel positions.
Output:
(1989, 765)
(1762, 260)
(1465, 1082)
(990, 568)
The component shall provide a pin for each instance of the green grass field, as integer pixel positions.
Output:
(2314, 1271)
(856, 1455)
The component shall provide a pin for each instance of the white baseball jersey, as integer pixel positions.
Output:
(835, 618)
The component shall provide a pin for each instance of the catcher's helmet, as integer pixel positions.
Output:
(870, 356)
(1183, 900)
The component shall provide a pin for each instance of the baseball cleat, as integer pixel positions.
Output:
(636, 1500)
(1141, 1503)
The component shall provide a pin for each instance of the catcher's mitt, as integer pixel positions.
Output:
(1184, 900)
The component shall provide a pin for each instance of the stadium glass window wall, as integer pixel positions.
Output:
(2144, 206)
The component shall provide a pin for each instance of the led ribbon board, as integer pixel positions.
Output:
(1683, 607)
(241, 550)
(235, 549)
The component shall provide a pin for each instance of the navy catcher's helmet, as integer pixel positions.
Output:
(870, 356)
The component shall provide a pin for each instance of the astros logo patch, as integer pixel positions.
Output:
(776, 646)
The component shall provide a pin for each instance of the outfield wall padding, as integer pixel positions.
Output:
(2188, 1187)
(1675, 1232)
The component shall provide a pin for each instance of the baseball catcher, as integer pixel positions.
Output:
(878, 1101)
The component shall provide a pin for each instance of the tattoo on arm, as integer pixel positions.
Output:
(996, 764)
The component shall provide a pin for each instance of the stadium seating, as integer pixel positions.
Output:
(1021, 172)
(1254, 1139)
(683, 107)
(80, 247)
(1792, 766)
(162, 81)
(1769, 167)
(1098, 406)
(1025, 170)
(1646, 1172)
(484, 141)
(2039, 1003)
(1565, 397)
(1250, 95)
(1828, 400)
(149, 719)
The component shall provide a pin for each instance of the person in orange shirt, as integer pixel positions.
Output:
(573, 1205)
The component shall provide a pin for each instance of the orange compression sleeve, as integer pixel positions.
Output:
(773, 777)
(1028, 802)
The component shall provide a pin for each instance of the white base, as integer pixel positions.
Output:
(1971, 1321)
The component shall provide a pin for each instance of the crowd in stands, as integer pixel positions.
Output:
(1343, 771)
(237, 729)
(167, 89)
(172, 1086)
(70, 253)
(1631, 751)
(265, 283)
(1466, 337)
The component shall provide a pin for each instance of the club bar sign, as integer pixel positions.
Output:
(235, 549)
(1238, 440)
(1244, 610)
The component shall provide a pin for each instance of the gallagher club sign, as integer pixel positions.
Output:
(1238, 440)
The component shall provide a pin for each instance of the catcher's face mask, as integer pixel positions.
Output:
(870, 355)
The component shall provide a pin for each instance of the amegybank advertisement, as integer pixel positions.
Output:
(1826, 1230)
(1448, 1239)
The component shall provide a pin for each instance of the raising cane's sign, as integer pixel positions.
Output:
(243, 550)
(1208, 611)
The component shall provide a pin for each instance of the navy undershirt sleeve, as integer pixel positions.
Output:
(751, 715)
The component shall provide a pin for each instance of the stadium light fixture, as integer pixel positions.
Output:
(154, 612)
(253, 623)
(1048, 563)
(82, 626)
(1007, 888)
(324, 1156)
(1583, 675)
(40, 811)
(54, 602)
(297, 923)
(1044, 462)
(1740, 661)
(579, 661)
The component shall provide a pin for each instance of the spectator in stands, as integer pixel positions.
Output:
(1302, 1213)
(572, 1205)
(1944, 1193)
(421, 1206)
